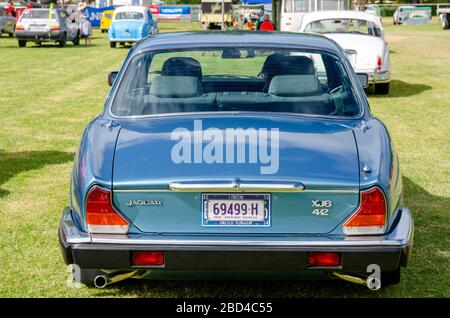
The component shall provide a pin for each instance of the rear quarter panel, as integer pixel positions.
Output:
(376, 151)
(93, 163)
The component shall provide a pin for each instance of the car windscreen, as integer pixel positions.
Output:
(232, 79)
(129, 16)
(36, 14)
(344, 26)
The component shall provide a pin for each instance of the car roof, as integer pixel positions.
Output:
(344, 14)
(132, 9)
(211, 39)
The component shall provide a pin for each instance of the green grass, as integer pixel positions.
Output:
(48, 95)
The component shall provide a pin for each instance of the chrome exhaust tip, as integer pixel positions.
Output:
(100, 281)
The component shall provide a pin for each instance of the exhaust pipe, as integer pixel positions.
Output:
(101, 281)
(349, 278)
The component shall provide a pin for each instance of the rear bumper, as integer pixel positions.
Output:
(376, 77)
(38, 36)
(129, 40)
(261, 253)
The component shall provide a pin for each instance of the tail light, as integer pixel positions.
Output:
(55, 28)
(379, 63)
(101, 217)
(370, 218)
(324, 259)
(20, 28)
(147, 259)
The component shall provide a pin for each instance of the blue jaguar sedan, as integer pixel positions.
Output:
(236, 155)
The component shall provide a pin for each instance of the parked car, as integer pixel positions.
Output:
(198, 164)
(7, 22)
(43, 25)
(361, 35)
(106, 20)
(131, 24)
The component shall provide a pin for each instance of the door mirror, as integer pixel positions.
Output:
(364, 80)
(112, 77)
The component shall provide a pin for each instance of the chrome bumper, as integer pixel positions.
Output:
(188, 251)
(376, 77)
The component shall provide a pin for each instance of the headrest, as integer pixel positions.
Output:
(182, 66)
(299, 65)
(273, 65)
(176, 87)
(295, 85)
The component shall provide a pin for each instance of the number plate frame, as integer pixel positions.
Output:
(266, 197)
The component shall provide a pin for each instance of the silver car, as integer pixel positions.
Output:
(41, 25)
(7, 22)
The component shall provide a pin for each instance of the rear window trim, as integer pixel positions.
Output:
(113, 92)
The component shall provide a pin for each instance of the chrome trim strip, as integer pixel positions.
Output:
(265, 189)
(236, 186)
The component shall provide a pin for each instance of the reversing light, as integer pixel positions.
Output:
(324, 259)
(101, 217)
(370, 218)
(147, 258)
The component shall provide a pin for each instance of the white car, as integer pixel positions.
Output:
(361, 35)
(401, 14)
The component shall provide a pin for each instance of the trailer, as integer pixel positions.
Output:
(213, 16)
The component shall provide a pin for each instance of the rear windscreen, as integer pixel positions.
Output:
(231, 79)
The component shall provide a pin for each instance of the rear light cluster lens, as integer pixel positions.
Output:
(55, 28)
(20, 28)
(100, 214)
(379, 63)
(147, 258)
(324, 259)
(370, 218)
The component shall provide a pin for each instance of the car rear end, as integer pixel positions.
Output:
(290, 193)
(39, 25)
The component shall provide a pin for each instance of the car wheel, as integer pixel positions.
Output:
(122, 43)
(103, 31)
(22, 43)
(11, 34)
(390, 278)
(112, 44)
(382, 89)
(63, 41)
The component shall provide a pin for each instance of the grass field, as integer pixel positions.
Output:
(48, 95)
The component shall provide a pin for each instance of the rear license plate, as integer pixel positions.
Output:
(235, 209)
(40, 28)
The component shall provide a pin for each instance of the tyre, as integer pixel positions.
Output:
(63, 41)
(122, 43)
(382, 89)
(76, 40)
(390, 278)
(22, 43)
(112, 44)
(103, 31)
(11, 34)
